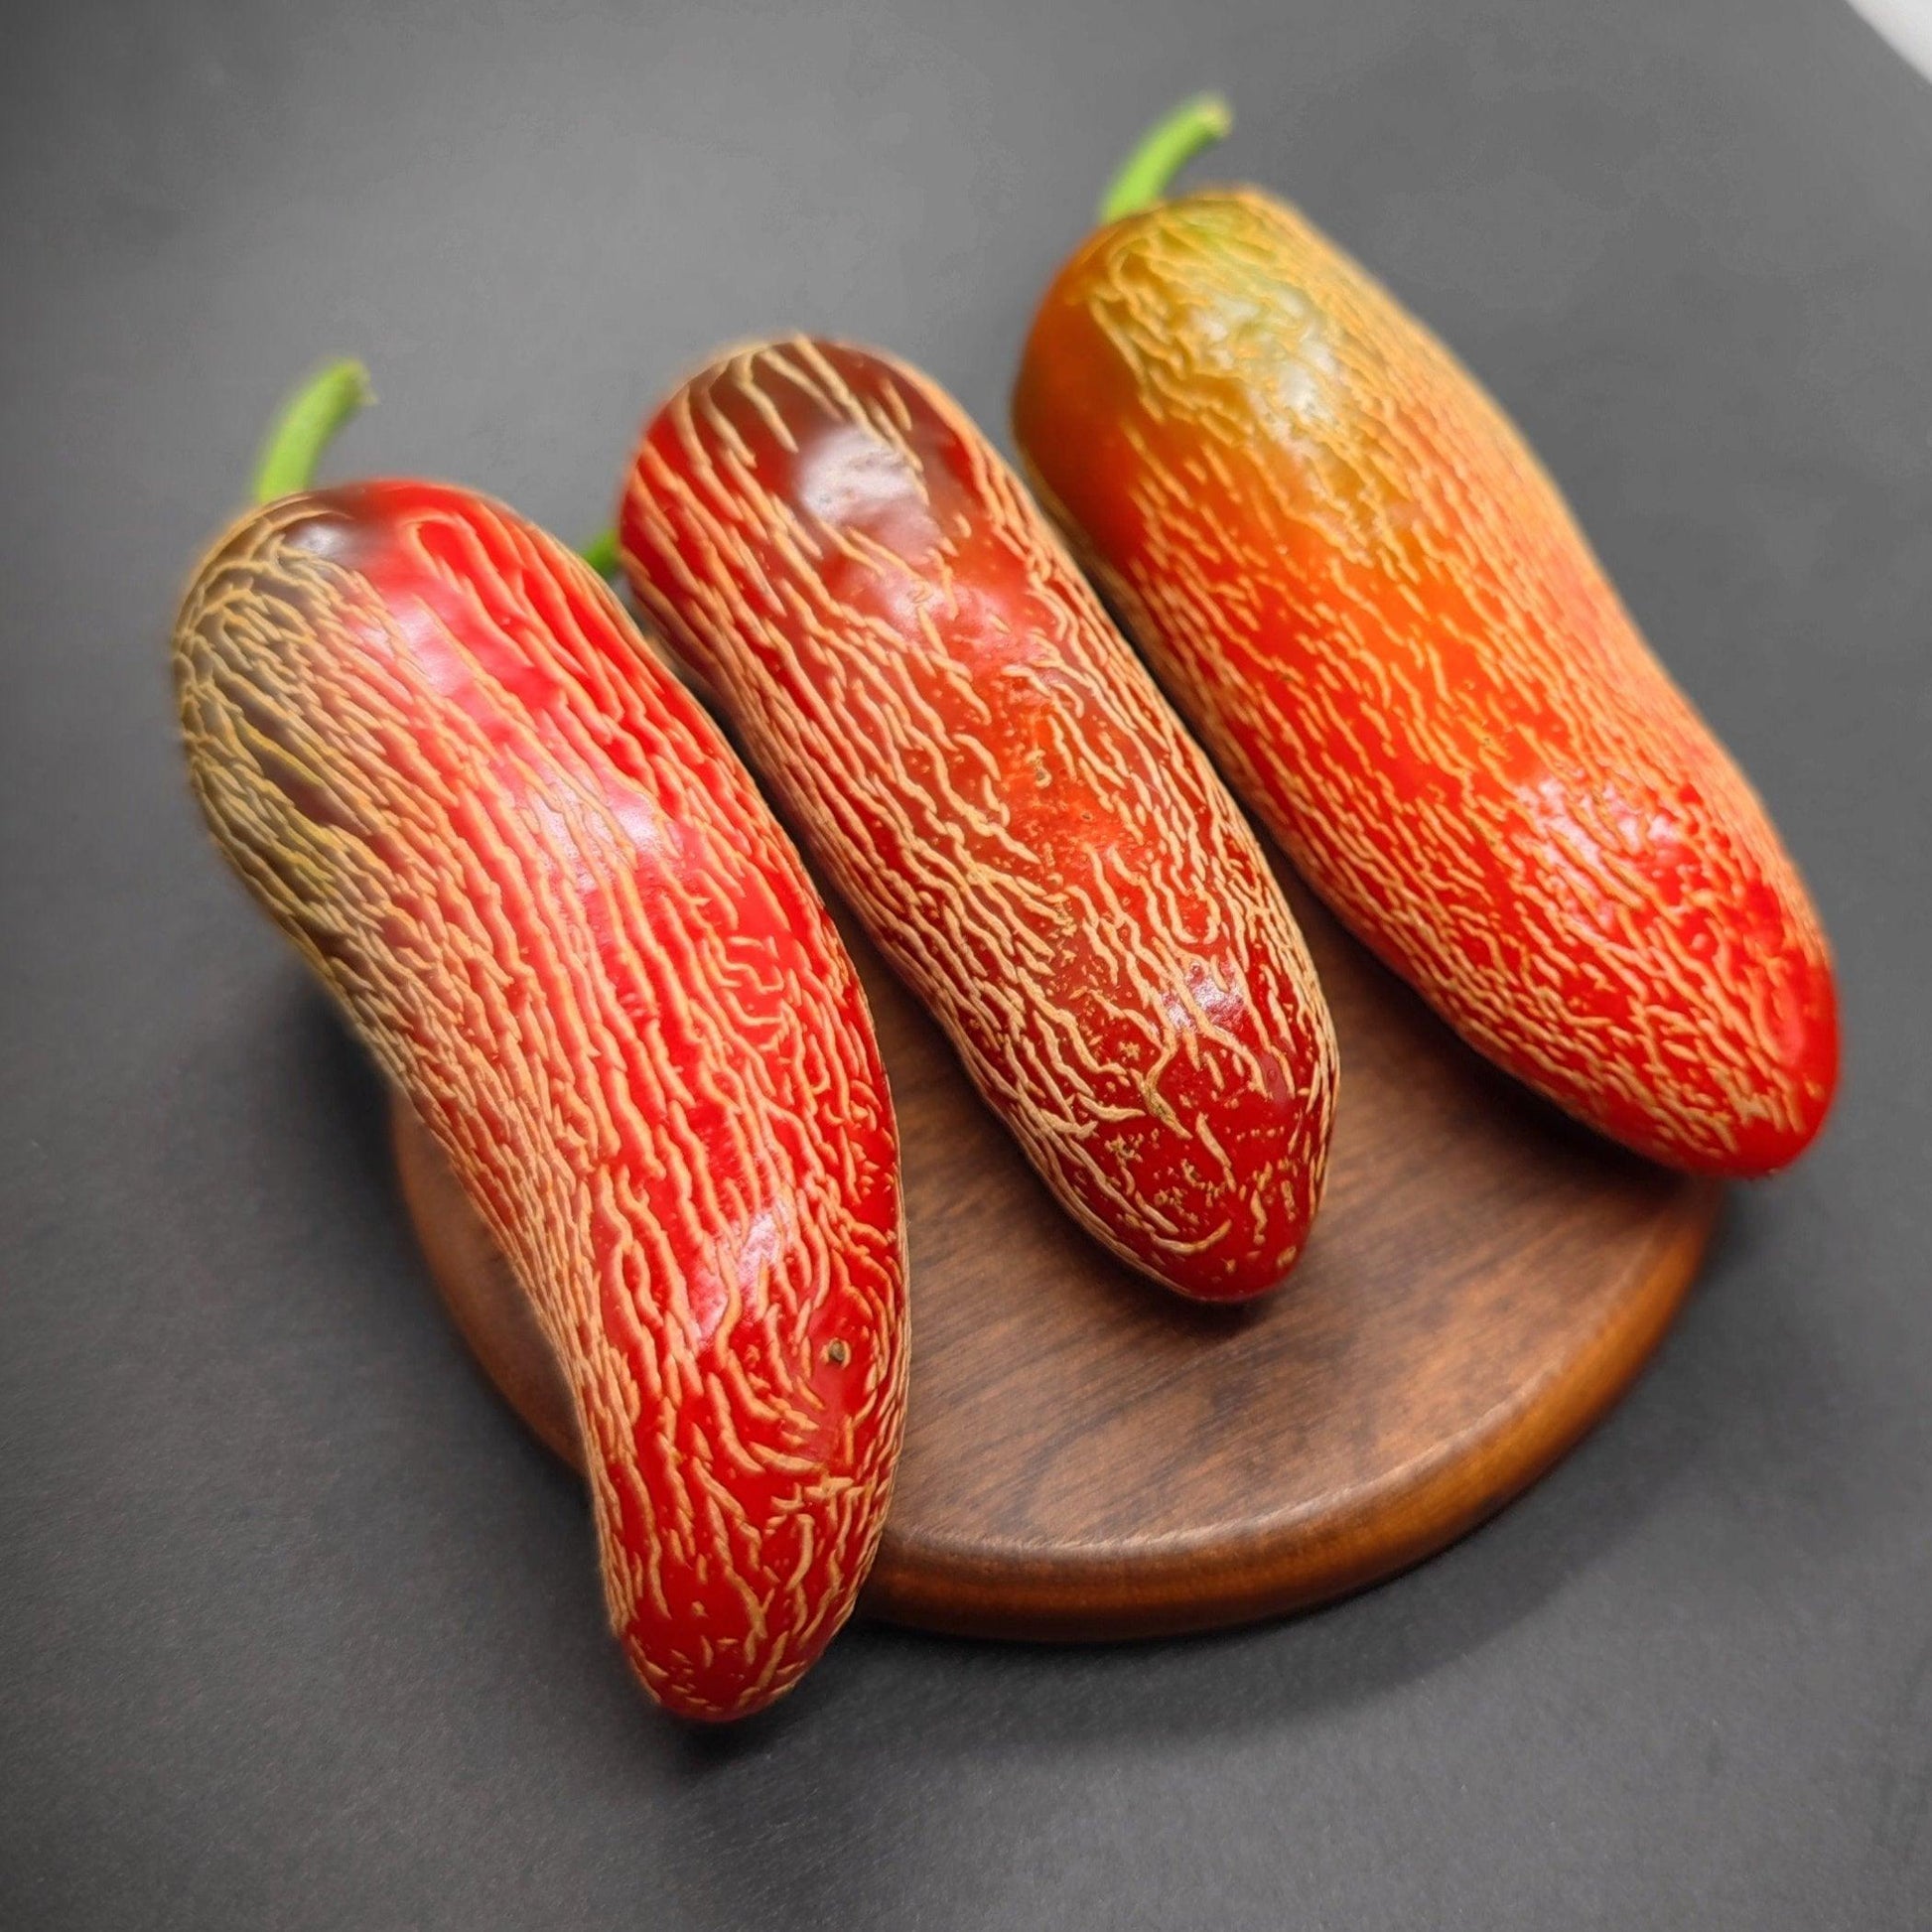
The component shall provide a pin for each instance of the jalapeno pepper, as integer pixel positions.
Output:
(994, 781)
(1361, 586)
(552, 903)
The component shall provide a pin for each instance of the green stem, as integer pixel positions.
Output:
(1166, 148)
(309, 417)
(600, 553)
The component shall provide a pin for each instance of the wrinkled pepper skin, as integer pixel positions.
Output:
(555, 907)
(1368, 597)
(986, 772)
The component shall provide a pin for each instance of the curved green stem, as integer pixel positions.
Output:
(309, 417)
(600, 553)
(1165, 149)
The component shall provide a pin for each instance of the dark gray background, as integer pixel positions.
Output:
(296, 1628)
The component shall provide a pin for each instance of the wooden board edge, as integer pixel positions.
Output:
(1431, 1505)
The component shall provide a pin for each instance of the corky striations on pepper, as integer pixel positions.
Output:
(986, 772)
(1369, 598)
(553, 904)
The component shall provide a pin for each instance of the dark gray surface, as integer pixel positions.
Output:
(296, 1629)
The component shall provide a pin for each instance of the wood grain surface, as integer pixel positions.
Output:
(1087, 1457)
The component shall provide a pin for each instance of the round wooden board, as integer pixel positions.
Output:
(1088, 1456)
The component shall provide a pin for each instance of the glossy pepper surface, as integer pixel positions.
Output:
(555, 907)
(984, 769)
(1367, 594)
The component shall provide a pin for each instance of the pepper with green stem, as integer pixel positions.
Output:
(1361, 586)
(554, 907)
